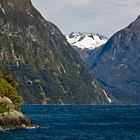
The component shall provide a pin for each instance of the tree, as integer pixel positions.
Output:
(8, 88)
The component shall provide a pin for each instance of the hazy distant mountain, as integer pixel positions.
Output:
(117, 64)
(41, 60)
(84, 43)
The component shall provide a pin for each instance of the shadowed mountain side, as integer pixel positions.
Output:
(40, 58)
(117, 64)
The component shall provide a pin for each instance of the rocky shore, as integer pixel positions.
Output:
(12, 119)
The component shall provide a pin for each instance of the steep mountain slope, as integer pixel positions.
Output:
(85, 43)
(41, 60)
(117, 64)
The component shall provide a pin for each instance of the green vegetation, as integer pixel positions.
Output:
(8, 88)
(4, 107)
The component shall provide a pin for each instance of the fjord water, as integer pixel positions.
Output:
(79, 122)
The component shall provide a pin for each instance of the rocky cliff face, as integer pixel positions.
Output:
(117, 64)
(12, 118)
(41, 60)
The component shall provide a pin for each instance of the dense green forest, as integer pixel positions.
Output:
(9, 88)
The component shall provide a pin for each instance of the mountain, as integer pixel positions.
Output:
(117, 64)
(85, 43)
(39, 57)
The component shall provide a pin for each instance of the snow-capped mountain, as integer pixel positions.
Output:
(86, 40)
(84, 43)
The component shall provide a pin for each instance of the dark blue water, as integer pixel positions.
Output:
(79, 122)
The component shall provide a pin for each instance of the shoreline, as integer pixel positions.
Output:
(15, 120)
(9, 128)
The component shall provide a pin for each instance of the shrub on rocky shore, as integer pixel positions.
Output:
(10, 101)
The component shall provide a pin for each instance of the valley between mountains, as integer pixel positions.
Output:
(46, 67)
(115, 62)
(81, 68)
(40, 65)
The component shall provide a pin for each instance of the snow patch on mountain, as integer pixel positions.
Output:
(84, 43)
(86, 40)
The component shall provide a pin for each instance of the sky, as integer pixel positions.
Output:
(97, 16)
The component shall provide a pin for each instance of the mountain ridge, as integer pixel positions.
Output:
(38, 55)
(116, 64)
